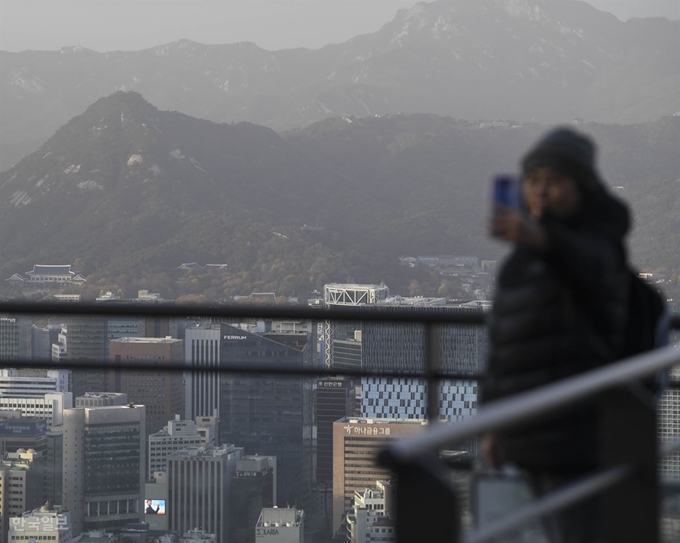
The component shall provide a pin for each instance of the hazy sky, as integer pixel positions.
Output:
(106, 25)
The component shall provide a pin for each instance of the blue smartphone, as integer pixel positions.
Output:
(506, 191)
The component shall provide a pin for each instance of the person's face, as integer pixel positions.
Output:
(148, 502)
(545, 189)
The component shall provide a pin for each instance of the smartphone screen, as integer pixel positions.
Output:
(506, 191)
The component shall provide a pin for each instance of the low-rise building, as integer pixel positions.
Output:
(370, 517)
(47, 523)
(280, 525)
(177, 435)
(198, 536)
(21, 484)
(49, 407)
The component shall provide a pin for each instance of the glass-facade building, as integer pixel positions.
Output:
(270, 415)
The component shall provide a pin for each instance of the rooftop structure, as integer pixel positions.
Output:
(101, 399)
(371, 508)
(280, 525)
(351, 294)
(198, 536)
(177, 435)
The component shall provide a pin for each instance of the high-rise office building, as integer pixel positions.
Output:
(356, 442)
(162, 392)
(120, 327)
(54, 467)
(202, 348)
(22, 475)
(252, 488)
(104, 465)
(347, 352)
(86, 341)
(9, 339)
(401, 346)
(668, 426)
(401, 398)
(388, 346)
(156, 326)
(270, 415)
(42, 338)
(199, 481)
(335, 399)
(177, 435)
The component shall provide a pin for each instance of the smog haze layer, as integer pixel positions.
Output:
(108, 25)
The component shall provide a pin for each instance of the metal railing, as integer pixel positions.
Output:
(630, 464)
(619, 437)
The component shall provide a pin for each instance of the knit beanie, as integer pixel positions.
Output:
(568, 152)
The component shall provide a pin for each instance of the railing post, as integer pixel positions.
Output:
(628, 435)
(432, 356)
(426, 507)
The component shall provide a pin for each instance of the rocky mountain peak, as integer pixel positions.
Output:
(529, 10)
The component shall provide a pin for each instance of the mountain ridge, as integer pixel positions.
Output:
(130, 190)
(472, 60)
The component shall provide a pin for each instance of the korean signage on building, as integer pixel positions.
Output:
(16, 427)
(40, 523)
(329, 384)
(367, 430)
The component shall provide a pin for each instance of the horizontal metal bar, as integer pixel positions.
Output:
(669, 448)
(251, 369)
(535, 403)
(559, 499)
(670, 488)
(144, 309)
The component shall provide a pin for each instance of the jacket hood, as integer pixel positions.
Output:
(601, 212)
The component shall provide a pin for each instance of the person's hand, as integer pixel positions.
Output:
(512, 226)
(491, 450)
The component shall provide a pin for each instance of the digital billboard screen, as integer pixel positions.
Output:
(155, 507)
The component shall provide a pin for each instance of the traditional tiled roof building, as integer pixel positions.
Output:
(49, 274)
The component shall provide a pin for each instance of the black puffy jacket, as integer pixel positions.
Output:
(558, 312)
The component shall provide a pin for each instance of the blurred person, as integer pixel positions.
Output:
(560, 308)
